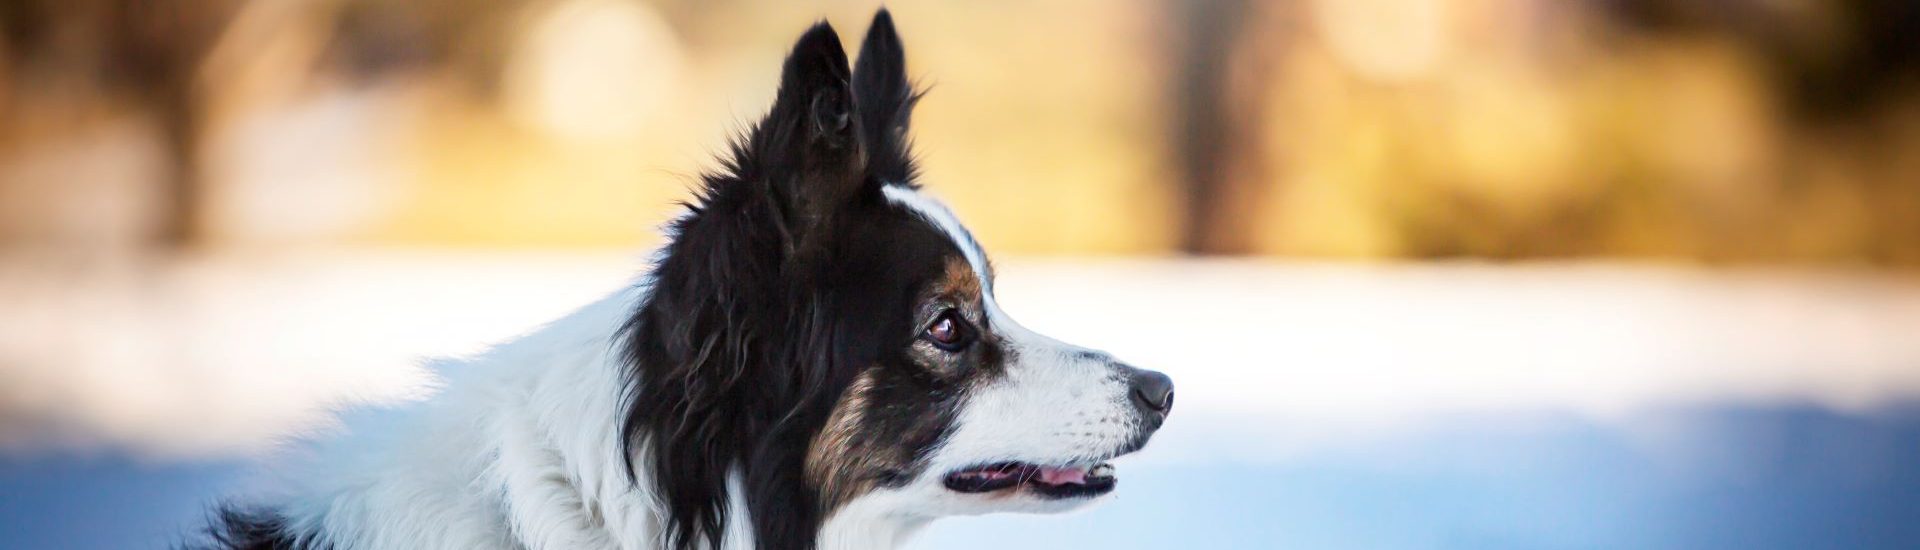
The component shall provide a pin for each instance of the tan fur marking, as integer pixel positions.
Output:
(959, 282)
(834, 463)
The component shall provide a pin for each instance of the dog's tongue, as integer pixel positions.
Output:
(1063, 476)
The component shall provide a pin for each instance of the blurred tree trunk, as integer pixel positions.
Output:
(147, 52)
(1210, 136)
(159, 47)
(181, 126)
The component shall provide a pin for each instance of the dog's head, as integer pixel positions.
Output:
(827, 333)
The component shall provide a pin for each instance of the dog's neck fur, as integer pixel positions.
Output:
(869, 524)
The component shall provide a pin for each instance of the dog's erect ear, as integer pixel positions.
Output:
(809, 149)
(886, 100)
(815, 94)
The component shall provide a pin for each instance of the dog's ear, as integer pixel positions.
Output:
(808, 149)
(886, 100)
(815, 94)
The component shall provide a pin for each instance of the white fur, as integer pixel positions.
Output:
(520, 449)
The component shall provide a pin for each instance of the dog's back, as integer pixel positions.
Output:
(520, 442)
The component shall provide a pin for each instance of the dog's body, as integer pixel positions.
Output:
(816, 360)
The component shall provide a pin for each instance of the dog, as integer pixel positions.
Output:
(815, 360)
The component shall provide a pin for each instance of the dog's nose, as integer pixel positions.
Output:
(1152, 390)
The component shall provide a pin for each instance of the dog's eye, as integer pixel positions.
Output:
(949, 332)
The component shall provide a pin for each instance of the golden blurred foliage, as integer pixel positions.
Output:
(1513, 129)
(1047, 164)
(1755, 131)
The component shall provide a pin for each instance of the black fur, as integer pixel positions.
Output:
(789, 275)
(886, 101)
(233, 528)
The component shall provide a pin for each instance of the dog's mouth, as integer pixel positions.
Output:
(1053, 482)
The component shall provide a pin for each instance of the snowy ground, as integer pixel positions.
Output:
(1321, 405)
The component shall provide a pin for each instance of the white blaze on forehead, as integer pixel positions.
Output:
(943, 219)
(937, 214)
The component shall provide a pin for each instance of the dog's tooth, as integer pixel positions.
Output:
(1103, 470)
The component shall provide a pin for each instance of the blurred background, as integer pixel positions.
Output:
(1430, 274)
